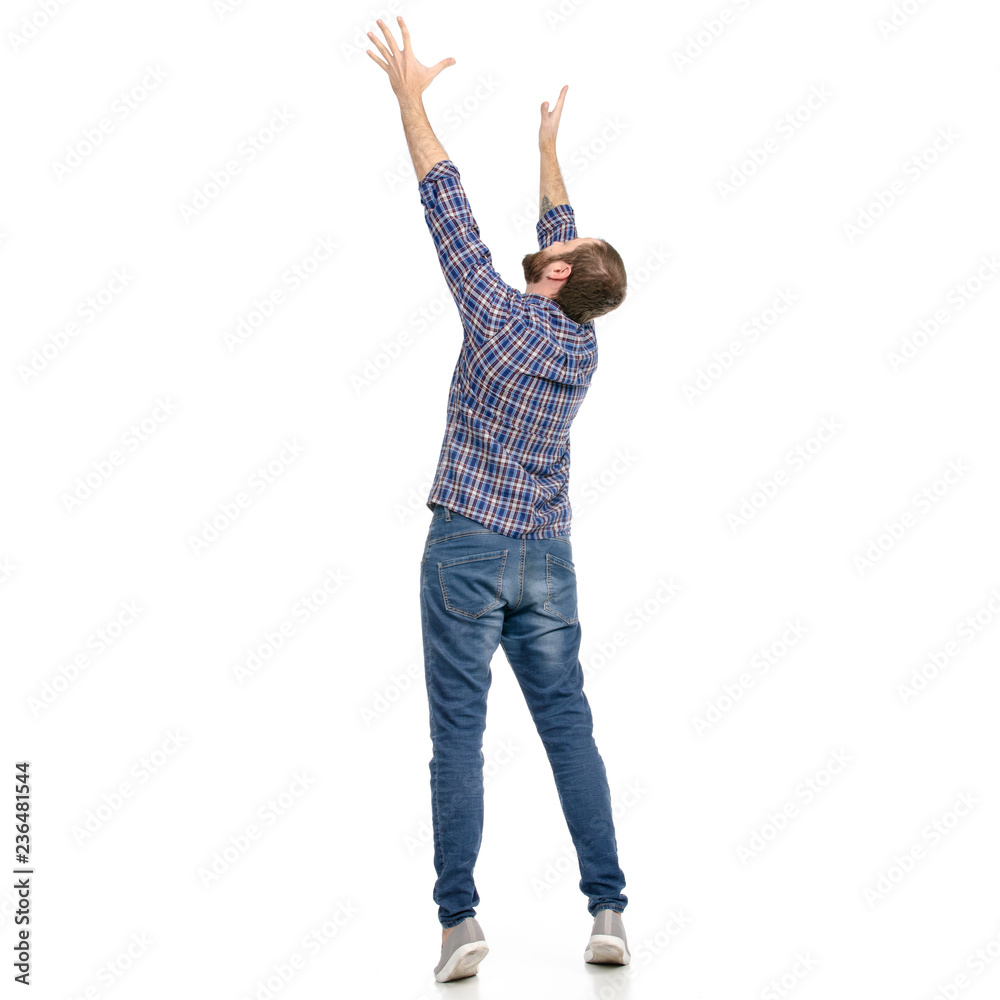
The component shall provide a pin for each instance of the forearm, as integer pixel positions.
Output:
(425, 150)
(551, 190)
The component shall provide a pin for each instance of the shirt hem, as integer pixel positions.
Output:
(470, 512)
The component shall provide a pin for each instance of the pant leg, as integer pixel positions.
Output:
(461, 604)
(541, 639)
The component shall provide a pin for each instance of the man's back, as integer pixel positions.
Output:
(521, 375)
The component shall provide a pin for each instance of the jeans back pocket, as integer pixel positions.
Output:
(560, 579)
(471, 585)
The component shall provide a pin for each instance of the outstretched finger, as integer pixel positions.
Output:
(390, 38)
(441, 65)
(379, 61)
(386, 55)
(405, 30)
(562, 96)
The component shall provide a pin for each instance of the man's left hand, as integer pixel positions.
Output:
(408, 77)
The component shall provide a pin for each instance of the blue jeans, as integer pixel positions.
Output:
(480, 589)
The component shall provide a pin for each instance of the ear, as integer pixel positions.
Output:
(559, 270)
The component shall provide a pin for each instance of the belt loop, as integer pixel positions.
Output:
(447, 514)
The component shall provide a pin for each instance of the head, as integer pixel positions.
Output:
(585, 276)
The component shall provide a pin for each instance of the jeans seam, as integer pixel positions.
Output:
(459, 534)
(520, 577)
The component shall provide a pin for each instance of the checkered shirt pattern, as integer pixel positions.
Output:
(522, 372)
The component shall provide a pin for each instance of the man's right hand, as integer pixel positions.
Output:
(550, 121)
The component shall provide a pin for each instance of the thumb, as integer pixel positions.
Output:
(443, 65)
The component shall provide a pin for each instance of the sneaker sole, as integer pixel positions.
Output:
(463, 962)
(606, 949)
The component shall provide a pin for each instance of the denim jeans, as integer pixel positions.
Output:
(480, 589)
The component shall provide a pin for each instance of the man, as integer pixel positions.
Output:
(498, 567)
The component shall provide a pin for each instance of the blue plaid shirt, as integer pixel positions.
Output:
(521, 376)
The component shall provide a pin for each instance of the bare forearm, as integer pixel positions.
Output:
(551, 190)
(425, 150)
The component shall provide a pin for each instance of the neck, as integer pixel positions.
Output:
(546, 288)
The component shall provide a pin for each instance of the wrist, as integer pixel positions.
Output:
(410, 102)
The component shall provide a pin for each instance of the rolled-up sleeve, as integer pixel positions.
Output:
(558, 223)
(483, 298)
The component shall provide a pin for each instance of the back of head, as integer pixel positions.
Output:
(596, 284)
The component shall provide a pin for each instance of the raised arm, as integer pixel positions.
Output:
(483, 298)
(409, 79)
(551, 191)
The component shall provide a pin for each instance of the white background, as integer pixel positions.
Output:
(346, 368)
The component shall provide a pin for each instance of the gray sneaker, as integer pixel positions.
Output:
(608, 944)
(463, 950)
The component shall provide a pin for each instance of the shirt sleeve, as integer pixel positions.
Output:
(484, 300)
(558, 223)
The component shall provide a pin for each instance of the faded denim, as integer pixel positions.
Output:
(480, 589)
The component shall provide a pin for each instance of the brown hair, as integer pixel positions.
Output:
(596, 284)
